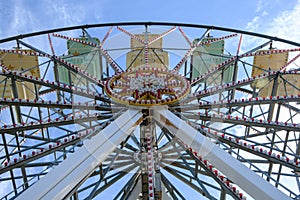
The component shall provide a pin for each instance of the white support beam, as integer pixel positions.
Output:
(136, 190)
(60, 181)
(245, 178)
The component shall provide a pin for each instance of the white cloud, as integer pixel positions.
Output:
(254, 24)
(22, 17)
(285, 24)
(61, 14)
(264, 13)
(259, 6)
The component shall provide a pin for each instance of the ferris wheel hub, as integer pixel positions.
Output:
(147, 86)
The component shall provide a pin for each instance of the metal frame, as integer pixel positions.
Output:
(45, 131)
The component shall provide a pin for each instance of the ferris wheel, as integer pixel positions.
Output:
(149, 110)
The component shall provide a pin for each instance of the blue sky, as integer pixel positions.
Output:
(280, 16)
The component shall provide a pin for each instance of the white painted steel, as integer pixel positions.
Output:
(245, 178)
(62, 179)
(136, 190)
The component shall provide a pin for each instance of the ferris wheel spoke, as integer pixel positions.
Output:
(86, 33)
(104, 181)
(114, 65)
(77, 70)
(107, 35)
(236, 85)
(56, 85)
(140, 51)
(142, 41)
(254, 148)
(273, 155)
(110, 180)
(208, 170)
(239, 103)
(193, 48)
(33, 48)
(258, 47)
(36, 155)
(36, 149)
(161, 35)
(65, 63)
(270, 177)
(131, 188)
(25, 156)
(134, 127)
(110, 166)
(173, 191)
(275, 125)
(186, 180)
(190, 139)
(248, 54)
(57, 104)
(233, 85)
(52, 123)
(201, 188)
(126, 121)
(185, 36)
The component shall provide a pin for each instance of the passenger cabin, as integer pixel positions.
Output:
(86, 57)
(265, 62)
(209, 56)
(26, 62)
(156, 55)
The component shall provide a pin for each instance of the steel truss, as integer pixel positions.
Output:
(40, 136)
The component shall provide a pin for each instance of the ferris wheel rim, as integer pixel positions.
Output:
(228, 118)
(150, 23)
